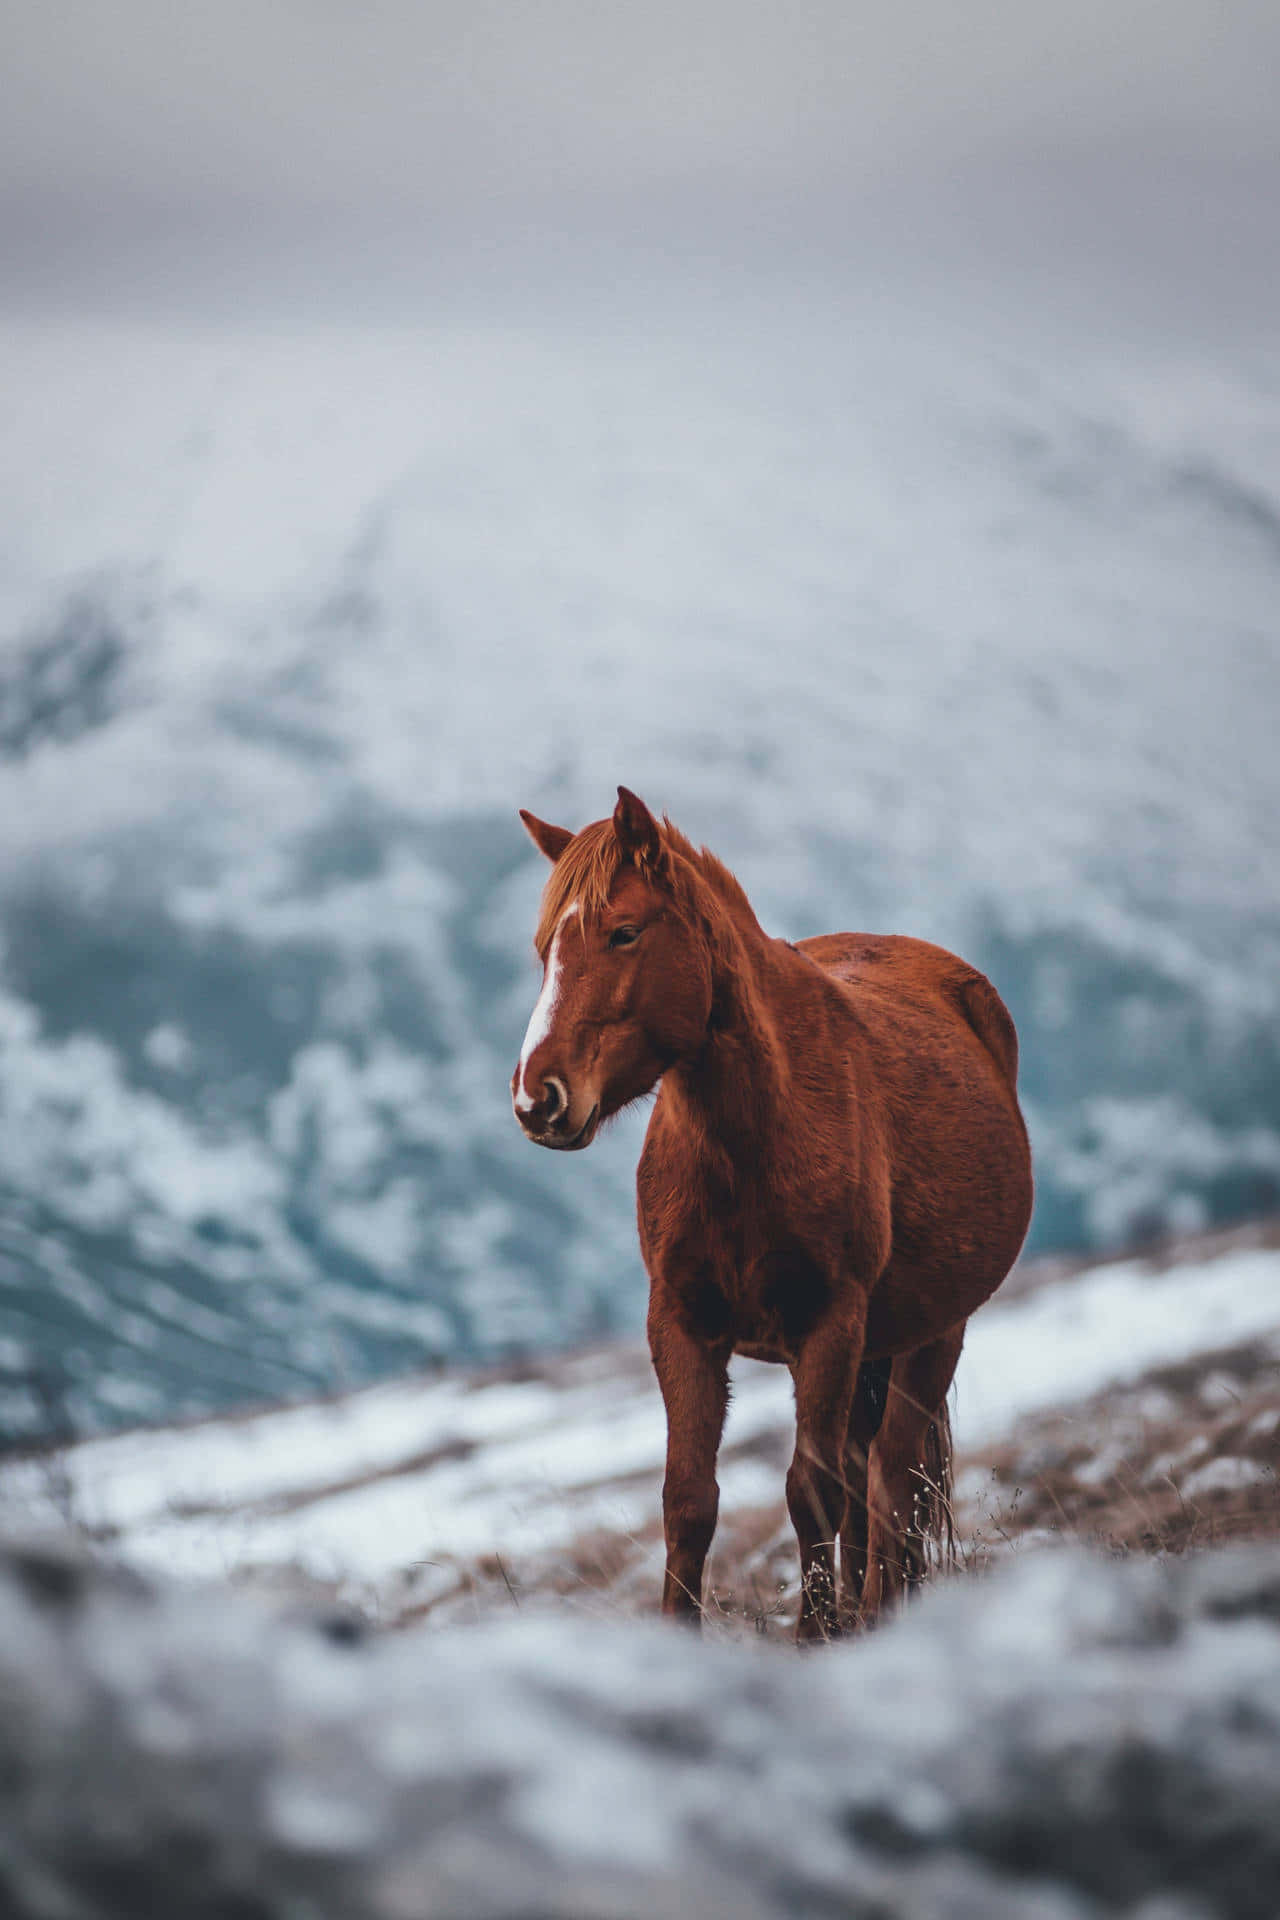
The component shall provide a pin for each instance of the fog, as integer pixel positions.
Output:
(277, 152)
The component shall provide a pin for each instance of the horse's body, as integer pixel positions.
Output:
(836, 1174)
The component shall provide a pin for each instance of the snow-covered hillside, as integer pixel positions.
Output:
(955, 633)
(1083, 1396)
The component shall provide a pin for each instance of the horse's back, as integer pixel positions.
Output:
(895, 966)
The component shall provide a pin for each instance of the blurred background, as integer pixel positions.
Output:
(856, 429)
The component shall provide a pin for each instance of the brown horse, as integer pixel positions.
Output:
(836, 1173)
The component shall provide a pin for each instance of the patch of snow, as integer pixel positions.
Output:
(1109, 1325)
(1157, 1406)
(167, 1046)
(1219, 1389)
(1227, 1474)
(1170, 1467)
(1103, 1466)
(383, 1231)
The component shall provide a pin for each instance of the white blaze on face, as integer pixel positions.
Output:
(543, 1014)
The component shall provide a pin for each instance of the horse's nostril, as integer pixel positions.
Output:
(554, 1098)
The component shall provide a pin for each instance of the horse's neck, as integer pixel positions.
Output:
(738, 1084)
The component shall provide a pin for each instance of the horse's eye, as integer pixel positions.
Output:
(624, 937)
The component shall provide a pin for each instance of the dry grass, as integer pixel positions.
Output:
(1186, 1458)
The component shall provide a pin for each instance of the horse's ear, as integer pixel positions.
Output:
(547, 839)
(637, 831)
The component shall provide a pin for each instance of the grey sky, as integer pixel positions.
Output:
(290, 115)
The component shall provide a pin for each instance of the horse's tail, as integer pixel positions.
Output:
(935, 1514)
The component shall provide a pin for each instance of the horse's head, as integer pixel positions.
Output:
(626, 988)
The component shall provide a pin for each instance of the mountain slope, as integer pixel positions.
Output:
(968, 635)
(1136, 1404)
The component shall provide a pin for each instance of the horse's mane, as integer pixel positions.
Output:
(586, 870)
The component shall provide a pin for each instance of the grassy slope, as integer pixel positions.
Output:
(458, 1497)
(1186, 1457)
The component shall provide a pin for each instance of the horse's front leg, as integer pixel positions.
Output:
(825, 1375)
(694, 1378)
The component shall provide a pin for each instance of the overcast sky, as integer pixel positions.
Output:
(149, 130)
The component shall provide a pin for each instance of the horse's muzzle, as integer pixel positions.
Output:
(549, 1121)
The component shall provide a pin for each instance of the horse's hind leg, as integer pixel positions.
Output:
(909, 1479)
(869, 1398)
(825, 1374)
